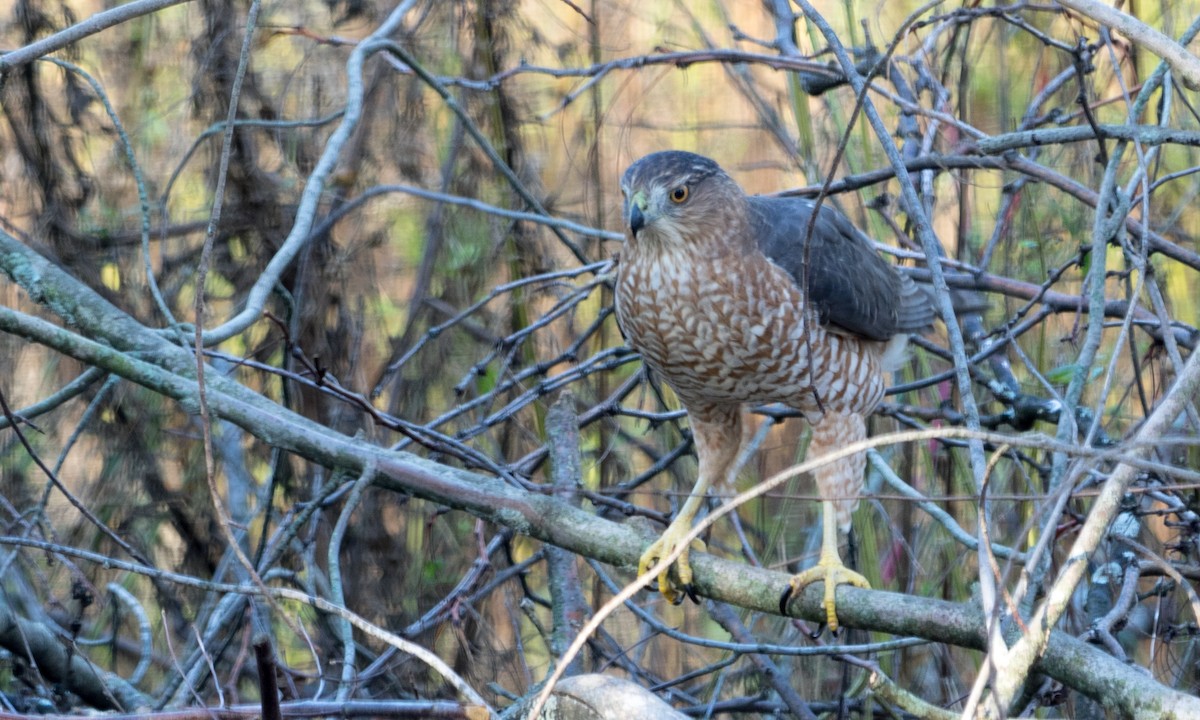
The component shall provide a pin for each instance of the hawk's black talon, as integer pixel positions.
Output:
(678, 599)
(784, 599)
(690, 589)
(816, 634)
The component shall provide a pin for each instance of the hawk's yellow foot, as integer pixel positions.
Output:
(832, 572)
(672, 538)
(829, 569)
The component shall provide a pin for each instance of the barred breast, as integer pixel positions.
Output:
(737, 330)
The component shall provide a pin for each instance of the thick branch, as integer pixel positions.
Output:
(1185, 64)
(34, 643)
(543, 517)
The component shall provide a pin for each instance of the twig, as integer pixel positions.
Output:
(96, 23)
(374, 631)
(1185, 65)
(335, 575)
(941, 516)
(314, 187)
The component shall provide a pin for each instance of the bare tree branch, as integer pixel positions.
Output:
(540, 516)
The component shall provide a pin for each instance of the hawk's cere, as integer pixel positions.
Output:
(711, 292)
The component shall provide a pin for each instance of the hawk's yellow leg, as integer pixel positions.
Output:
(719, 434)
(671, 538)
(829, 569)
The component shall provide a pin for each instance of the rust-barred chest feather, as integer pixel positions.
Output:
(735, 329)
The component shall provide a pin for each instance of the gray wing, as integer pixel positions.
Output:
(851, 286)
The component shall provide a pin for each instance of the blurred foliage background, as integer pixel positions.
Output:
(463, 326)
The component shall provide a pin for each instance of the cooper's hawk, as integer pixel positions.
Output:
(711, 291)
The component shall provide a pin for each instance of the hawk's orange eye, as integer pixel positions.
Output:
(679, 194)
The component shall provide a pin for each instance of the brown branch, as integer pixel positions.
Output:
(1025, 166)
(37, 645)
(546, 518)
(268, 687)
(434, 709)
(1061, 302)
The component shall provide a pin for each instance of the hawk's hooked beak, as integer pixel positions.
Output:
(637, 220)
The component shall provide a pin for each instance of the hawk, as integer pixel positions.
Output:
(719, 294)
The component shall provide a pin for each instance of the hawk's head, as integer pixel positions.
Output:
(678, 199)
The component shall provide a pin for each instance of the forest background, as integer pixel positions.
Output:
(423, 457)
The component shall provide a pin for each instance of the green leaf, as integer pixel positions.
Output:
(1062, 374)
